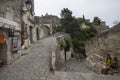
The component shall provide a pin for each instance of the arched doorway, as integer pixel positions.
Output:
(31, 35)
(37, 33)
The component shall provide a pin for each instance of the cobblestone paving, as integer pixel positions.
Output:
(83, 76)
(77, 70)
(32, 66)
(75, 66)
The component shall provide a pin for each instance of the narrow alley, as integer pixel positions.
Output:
(32, 66)
(77, 70)
(35, 65)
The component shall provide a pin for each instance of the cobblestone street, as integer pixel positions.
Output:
(35, 65)
(75, 66)
(32, 66)
(77, 70)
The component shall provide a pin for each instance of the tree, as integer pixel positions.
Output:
(66, 13)
(66, 44)
(79, 36)
(66, 19)
(96, 21)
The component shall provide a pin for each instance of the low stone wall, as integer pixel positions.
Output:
(98, 47)
(60, 54)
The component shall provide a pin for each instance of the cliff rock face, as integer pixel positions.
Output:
(98, 47)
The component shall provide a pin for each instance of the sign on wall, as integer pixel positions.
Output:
(2, 38)
(14, 44)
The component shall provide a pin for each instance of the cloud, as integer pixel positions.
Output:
(107, 10)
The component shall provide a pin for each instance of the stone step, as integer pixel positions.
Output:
(83, 76)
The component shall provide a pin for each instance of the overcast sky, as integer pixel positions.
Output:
(107, 10)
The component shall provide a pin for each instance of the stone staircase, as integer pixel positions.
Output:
(82, 76)
(77, 70)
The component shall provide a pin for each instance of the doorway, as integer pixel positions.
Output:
(3, 52)
(31, 36)
(37, 33)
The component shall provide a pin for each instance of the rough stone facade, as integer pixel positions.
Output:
(49, 21)
(17, 25)
(40, 30)
(105, 43)
(10, 22)
(102, 27)
(11, 9)
(27, 25)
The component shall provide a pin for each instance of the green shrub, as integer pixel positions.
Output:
(68, 44)
(62, 43)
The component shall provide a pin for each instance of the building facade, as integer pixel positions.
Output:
(10, 30)
(100, 46)
(16, 28)
(40, 31)
(27, 23)
(50, 21)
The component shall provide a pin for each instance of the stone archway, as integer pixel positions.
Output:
(37, 34)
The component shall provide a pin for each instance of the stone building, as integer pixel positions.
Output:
(104, 43)
(50, 21)
(27, 23)
(16, 26)
(40, 31)
(10, 30)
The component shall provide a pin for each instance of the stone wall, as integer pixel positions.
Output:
(44, 30)
(40, 32)
(98, 48)
(11, 9)
(28, 27)
(10, 20)
(60, 54)
(102, 27)
(48, 20)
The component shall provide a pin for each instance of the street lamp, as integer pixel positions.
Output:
(28, 4)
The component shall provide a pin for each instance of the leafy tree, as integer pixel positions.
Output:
(80, 20)
(66, 44)
(58, 29)
(66, 13)
(96, 21)
(66, 19)
(79, 36)
(62, 44)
